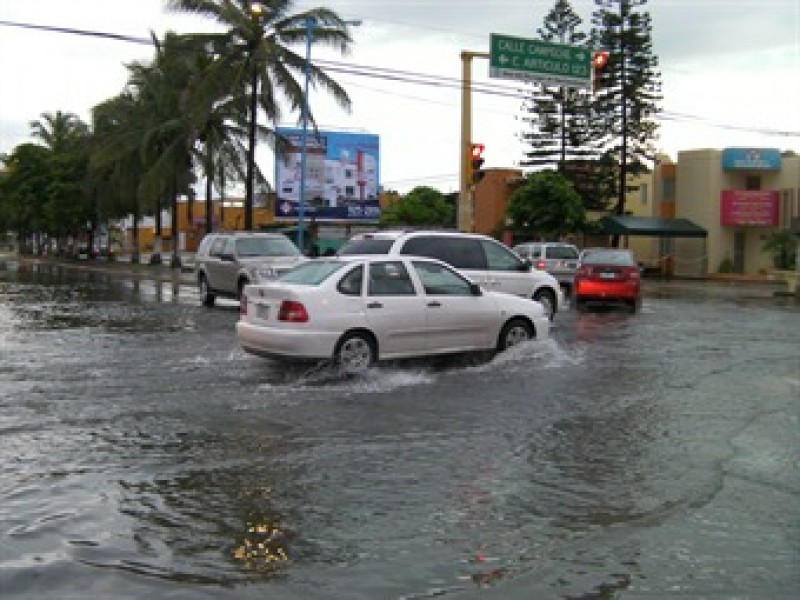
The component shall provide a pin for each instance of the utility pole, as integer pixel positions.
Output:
(465, 212)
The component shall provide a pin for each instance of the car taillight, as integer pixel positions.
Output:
(292, 311)
(632, 273)
(541, 265)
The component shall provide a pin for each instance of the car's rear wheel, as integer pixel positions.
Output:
(355, 352)
(206, 295)
(548, 300)
(516, 331)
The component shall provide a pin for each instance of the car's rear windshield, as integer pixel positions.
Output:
(609, 257)
(366, 246)
(313, 272)
(265, 246)
(562, 252)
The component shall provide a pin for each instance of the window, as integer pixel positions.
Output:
(350, 285)
(643, 194)
(752, 182)
(217, 247)
(498, 258)
(441, 281)
(562, 252)
(389, 279)
(462, 253)
(312, 272)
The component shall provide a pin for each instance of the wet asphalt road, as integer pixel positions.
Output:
(144, 455)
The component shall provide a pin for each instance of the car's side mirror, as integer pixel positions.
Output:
(525, 265)
(475, 289)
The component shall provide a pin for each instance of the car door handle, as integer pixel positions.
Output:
(434, 304)
(374, 305)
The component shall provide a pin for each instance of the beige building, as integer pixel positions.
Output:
(710, 211)
(739, 196)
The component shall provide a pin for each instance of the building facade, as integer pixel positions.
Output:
(739, 196)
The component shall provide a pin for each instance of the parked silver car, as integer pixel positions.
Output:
(557, 258)
(226, 262)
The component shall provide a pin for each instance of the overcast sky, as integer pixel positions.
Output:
(730, 71)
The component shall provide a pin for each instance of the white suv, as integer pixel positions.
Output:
(226, 262)
(482, 258)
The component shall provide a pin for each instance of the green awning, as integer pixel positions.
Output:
(651, 226)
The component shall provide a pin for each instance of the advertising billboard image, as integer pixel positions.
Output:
(342, 176)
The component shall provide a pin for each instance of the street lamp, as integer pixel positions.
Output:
(311, 23)
(256, 11)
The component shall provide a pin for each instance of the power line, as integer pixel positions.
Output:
(412, 78)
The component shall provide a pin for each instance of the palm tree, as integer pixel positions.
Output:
(168, 138)
(253, 60)
(116, 162)
(58, 131)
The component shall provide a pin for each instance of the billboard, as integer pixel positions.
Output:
(342, 176)
(744, 207)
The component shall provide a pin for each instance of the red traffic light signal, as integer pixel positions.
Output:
(600, 60)
(599, 73)
(476, 162)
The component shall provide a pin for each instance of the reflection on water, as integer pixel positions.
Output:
(145, 455)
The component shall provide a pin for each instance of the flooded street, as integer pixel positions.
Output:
(144, 455)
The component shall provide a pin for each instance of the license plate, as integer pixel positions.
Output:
(608, 275)
(262, 311)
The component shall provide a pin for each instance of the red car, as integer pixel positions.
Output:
(607, 275)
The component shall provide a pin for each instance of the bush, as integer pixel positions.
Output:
(725, 266)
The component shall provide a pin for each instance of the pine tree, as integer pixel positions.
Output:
(626, 103)
(558, 116)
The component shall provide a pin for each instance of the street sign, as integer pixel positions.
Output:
(534, 60)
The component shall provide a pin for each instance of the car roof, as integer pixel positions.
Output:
(398, 233)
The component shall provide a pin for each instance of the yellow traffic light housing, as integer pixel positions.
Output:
(476, 162)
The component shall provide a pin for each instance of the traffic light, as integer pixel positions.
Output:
(599, 69)
(475, 162)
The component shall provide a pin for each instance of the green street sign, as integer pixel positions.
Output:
(534, 60)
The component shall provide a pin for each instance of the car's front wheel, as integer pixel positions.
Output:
(548, 300)
(355, 352)
(206, 295)
(516, 331)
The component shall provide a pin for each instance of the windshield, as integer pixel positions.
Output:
(313, 272)
(265, 246)
(366, 246)
(609, 257)
(562, 252)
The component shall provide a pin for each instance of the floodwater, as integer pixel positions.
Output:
(653, 455)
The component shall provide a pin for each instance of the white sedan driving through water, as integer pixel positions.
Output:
(358, 310)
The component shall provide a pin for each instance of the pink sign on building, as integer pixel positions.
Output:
(746, 207)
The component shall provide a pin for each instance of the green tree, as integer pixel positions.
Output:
(783, 247)
(545, 206)
(24, 190)
(558, 117)
(64, 209)
(421, 206)
(59, 131)
(168, 136)
(626, 102)
(116, 163)
(254, 59)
